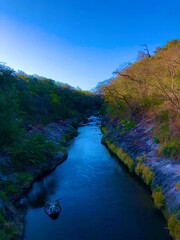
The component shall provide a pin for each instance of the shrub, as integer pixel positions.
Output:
(24, 178)
(174, 227)
(104, 130)
(127, 125)
(33, 150)
(162, 116)
(158, 197)
(12, 189)
(170, 149)
(156, 139)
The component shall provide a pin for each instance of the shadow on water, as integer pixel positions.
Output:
(145, 200)
(100, 199)
(41, 191)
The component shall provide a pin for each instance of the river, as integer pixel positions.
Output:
(100, 200)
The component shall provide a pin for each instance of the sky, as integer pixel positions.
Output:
(81, 42)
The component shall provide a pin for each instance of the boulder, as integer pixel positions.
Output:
(52, 209)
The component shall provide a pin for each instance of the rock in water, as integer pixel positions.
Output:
(52, 209)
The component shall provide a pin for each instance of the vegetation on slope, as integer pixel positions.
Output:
(150, 88)
(30, 103)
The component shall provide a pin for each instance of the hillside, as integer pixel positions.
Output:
(37, 118)
(150, 88)
(141, 126)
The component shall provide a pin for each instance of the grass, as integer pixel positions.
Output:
(145, 173)
(174, 227)
(158, 198)
(121, 155)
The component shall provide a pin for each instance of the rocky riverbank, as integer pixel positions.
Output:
(136, 148)
(16, 183)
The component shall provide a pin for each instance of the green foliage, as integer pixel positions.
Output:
(12, 189)
(158, 197)
(174, 227)
(149, 88)
(3, 195)
(170, 149)
(9, 231)
(156, 139)
(149, 102)
(25, 103)
(3, 235)
(104, 130)
(2, 219)
(164, 132)
(163, 116)
(168, 138)
(10, 125)
(34, 100)
(127, 125)
(178, 186)
(33, 150)
(24, 178)
(145, 173)
(55, 99)
(8, 188)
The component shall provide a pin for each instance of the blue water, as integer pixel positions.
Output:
(100, 200)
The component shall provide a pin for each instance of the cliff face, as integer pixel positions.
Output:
(138, 151)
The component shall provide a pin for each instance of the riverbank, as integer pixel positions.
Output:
(136, 149)
(16, 180)
(99, 199)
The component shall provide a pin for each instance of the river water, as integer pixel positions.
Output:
(100, 200)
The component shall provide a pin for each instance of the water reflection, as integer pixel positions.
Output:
(41, 191)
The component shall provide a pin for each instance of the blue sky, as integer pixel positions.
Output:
(82, 42)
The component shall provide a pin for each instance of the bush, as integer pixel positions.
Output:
(127, 125)
(170, 149)
(156, 140)
(174, 227)
(104, 130)
(33, 150)
(11, 189)
(24, 178)
(158, 198)
(163, 116)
